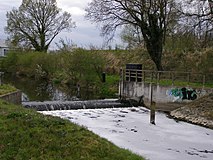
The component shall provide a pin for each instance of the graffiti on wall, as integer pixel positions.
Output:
(182, 94)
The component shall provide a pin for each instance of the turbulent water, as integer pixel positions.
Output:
(70, 105)
(130, 128)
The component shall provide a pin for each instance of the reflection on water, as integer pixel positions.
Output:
(44, 91)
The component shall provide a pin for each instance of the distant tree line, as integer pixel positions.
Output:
(152, 24)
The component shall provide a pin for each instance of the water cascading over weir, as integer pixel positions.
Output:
(69, 105)
(139, 87)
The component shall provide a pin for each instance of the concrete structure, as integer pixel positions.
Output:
(3, 48)
(14, 97)
(161, 94)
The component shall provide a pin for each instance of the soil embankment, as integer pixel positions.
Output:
(198, 112)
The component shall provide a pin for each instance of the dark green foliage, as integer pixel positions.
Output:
(9, 64)
(77, 67)
(82, 66)
(85, 67)
(109, 89)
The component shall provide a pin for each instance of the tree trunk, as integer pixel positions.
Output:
(211, 6)
(156, 57)
(153, 37)
(155, 50)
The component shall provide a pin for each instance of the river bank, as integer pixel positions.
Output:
(26, 134)
(198, 112)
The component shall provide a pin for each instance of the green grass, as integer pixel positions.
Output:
(5, 88)
(109, 89)
(26, 134)
(168, 82)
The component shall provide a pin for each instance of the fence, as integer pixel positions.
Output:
(173, 78)
(164, 85)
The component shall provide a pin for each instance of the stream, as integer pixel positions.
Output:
(129, 128)
(45, 91)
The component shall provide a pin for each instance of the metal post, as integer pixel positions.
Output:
(152, 107)
(103, 77)
(136, 76)
(144, 76)
(121, 83)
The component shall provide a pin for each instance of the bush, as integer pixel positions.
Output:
(9, 63)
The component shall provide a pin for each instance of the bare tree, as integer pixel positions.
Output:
(132, 36)
(150, 16)
(211, 6)
(36, 23)
(199, 18)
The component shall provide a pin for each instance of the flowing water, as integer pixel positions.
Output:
(130, 128)
(45, 91)
(126, 127)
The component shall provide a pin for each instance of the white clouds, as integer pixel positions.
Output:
(76, 8)
(83, 35)
(76, 11)
(76, 3)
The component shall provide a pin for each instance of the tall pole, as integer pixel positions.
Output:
(152, 106)
(121, 85)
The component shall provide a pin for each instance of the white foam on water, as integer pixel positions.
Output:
(130, 128)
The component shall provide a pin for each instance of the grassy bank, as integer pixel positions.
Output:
(5, 88)
(26, 134)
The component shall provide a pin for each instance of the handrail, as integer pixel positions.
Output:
(173, 76)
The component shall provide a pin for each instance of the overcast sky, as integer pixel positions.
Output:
(84, 35)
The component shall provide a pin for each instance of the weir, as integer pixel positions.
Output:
(168, 86)
(135, 90)
(71, 105)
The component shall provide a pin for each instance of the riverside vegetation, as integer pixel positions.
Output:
(27, 134)
(83, 67)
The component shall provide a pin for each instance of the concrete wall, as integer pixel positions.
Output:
(15, 97)
(162, 94)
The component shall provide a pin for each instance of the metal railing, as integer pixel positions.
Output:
(169, 77)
